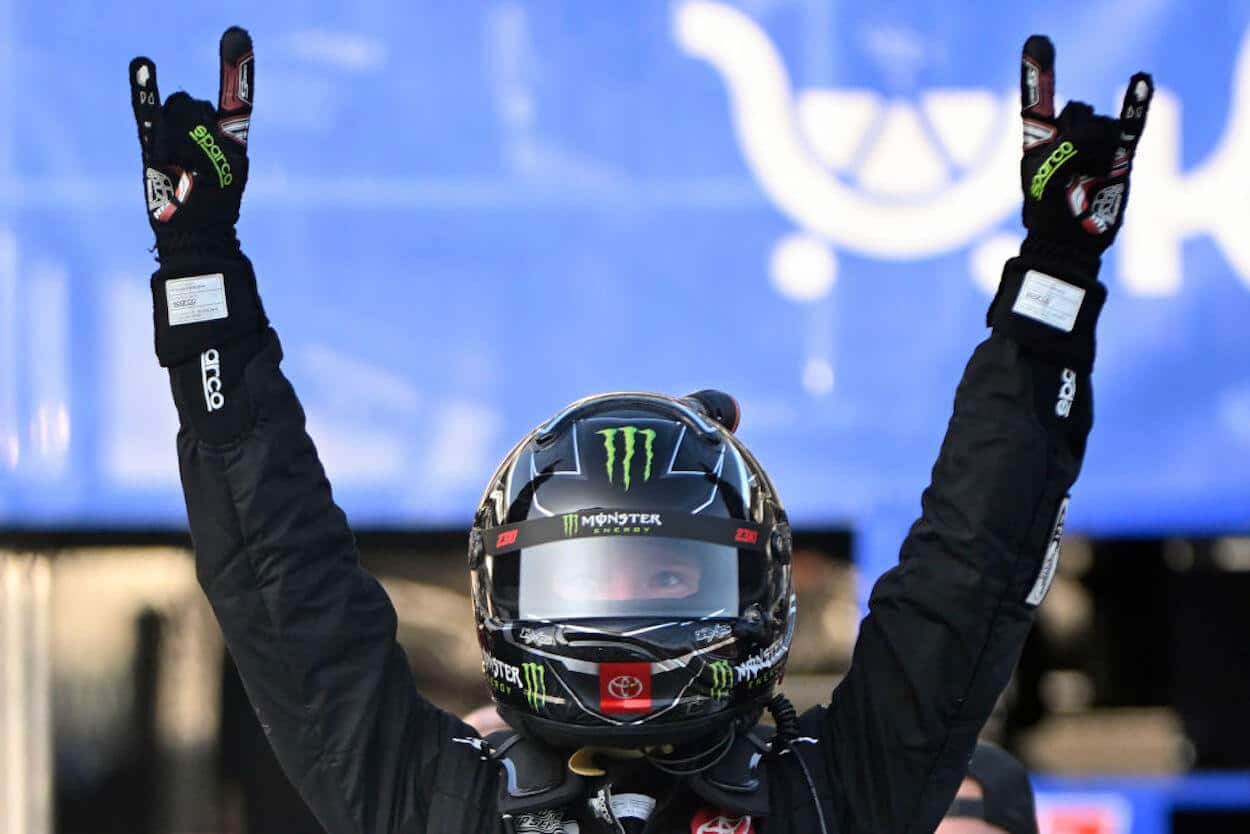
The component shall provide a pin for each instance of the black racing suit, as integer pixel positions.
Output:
(313, 634)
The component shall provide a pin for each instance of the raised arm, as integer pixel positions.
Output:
(312, 633)
(946, 626)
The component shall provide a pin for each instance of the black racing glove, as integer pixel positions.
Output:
(208, 316)
(1075, 176)
(195, 154)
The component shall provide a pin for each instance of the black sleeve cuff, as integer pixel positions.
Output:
(1050, 305)
(203, 303)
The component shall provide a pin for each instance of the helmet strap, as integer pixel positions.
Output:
(689, 765)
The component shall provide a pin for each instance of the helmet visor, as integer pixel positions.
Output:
(623, 576)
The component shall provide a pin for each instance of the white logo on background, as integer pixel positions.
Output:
(160, 190)
(1067, 392)
(246, 67)
(502, 671)
(545, 822)
(900, 180)
(707, 634)
(624, 687)
(537, 637)
(1051, 560)
(725, 825)
(210, 376)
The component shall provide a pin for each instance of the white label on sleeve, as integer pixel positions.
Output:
(1047, 574)
(1049, 300)
(636, 805)
(196, 298)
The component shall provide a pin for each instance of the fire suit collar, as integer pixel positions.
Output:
(535, 778)
(738, 783)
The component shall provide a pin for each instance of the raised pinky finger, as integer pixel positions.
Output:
(145, 99)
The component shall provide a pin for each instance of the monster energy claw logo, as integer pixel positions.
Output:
(630, 434)
(535, 684)
(570, 524)
(722, 679)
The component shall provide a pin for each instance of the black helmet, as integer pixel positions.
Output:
(631, 575)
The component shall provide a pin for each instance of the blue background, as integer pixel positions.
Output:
(465, 215)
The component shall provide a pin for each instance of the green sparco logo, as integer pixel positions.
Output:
(629, 438)
(570, 524)
(1058, 156)
(534, 681)
(204, 139)
(722, 679)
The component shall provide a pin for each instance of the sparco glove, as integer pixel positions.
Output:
(195, 154)
(208, 316)
(1075, 176)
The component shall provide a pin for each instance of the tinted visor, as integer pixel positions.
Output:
(625, 563)
(621, 576)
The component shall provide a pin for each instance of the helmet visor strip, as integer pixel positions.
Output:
(622, 577)
(605, 563)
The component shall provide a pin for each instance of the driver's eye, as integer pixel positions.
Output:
(667, 579)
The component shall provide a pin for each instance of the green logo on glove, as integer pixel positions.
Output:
(1058, 156)
(204, 139)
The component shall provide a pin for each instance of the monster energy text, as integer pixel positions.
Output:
(621, 519)
(535, 685)
(500, 670)
(722, 679)
(630, 435)
(609, 523)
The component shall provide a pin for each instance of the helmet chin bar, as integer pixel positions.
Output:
(642, 738)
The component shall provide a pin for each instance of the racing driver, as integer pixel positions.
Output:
(630, 559)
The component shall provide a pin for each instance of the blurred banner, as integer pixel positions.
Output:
(465, 215)
(1201, 802)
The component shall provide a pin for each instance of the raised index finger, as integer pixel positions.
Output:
(235, 93)
(1037, 90)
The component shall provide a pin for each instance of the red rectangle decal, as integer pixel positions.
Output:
(505, 538)
(625, 687)
(1083, 813)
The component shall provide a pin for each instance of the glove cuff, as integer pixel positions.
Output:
(1050, 305)
(201, 303)
(1061, 259)
(216, 242)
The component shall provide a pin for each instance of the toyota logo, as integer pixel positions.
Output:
(624, 687)
(724, 825)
